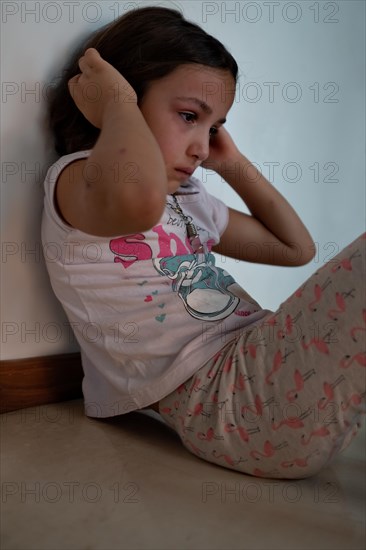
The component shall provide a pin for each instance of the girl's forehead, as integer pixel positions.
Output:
(196, 72)
(199, 78)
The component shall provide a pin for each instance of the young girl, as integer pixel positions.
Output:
(159, 323)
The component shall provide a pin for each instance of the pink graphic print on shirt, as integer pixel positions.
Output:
(208, 292)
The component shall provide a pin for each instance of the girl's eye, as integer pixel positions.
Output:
(193, 116)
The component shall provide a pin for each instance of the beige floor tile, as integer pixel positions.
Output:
(73, 483)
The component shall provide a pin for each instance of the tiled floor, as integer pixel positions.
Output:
(70, 482)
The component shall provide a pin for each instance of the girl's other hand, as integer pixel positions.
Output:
(97, 86)
(222, 150)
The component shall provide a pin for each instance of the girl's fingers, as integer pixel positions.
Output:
(91, 57)
(74, 78)
(73, 86)
(90, 52)
(72, 83)
(84, 65)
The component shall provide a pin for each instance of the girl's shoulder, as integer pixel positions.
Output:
(63, 163)
(62, 180)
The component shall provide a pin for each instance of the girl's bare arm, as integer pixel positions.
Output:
(121, 187)
(273, 233)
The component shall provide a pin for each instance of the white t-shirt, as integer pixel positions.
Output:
(146, 312)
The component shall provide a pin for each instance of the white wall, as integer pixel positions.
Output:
(308, 54)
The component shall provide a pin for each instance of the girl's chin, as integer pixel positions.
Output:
(173, 185)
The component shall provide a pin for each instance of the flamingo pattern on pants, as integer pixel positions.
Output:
(282, 399)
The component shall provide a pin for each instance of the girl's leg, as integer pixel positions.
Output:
(287, 394)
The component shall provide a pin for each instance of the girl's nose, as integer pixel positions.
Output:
(199, 147)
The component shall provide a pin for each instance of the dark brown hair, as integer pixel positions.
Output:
(144, 45)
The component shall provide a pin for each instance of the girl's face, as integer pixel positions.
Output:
(183, 110)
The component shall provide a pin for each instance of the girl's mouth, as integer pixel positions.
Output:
(184, 172)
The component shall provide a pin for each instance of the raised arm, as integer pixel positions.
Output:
(273, 233)
(121, 187)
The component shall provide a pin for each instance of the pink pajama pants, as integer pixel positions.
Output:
(284, 397)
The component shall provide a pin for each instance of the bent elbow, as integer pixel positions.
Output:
(148, 217)
(308, 253)
(150, 210)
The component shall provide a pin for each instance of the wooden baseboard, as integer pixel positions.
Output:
(39, 381)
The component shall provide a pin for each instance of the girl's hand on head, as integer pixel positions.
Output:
(98, 86)
(222, 150)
